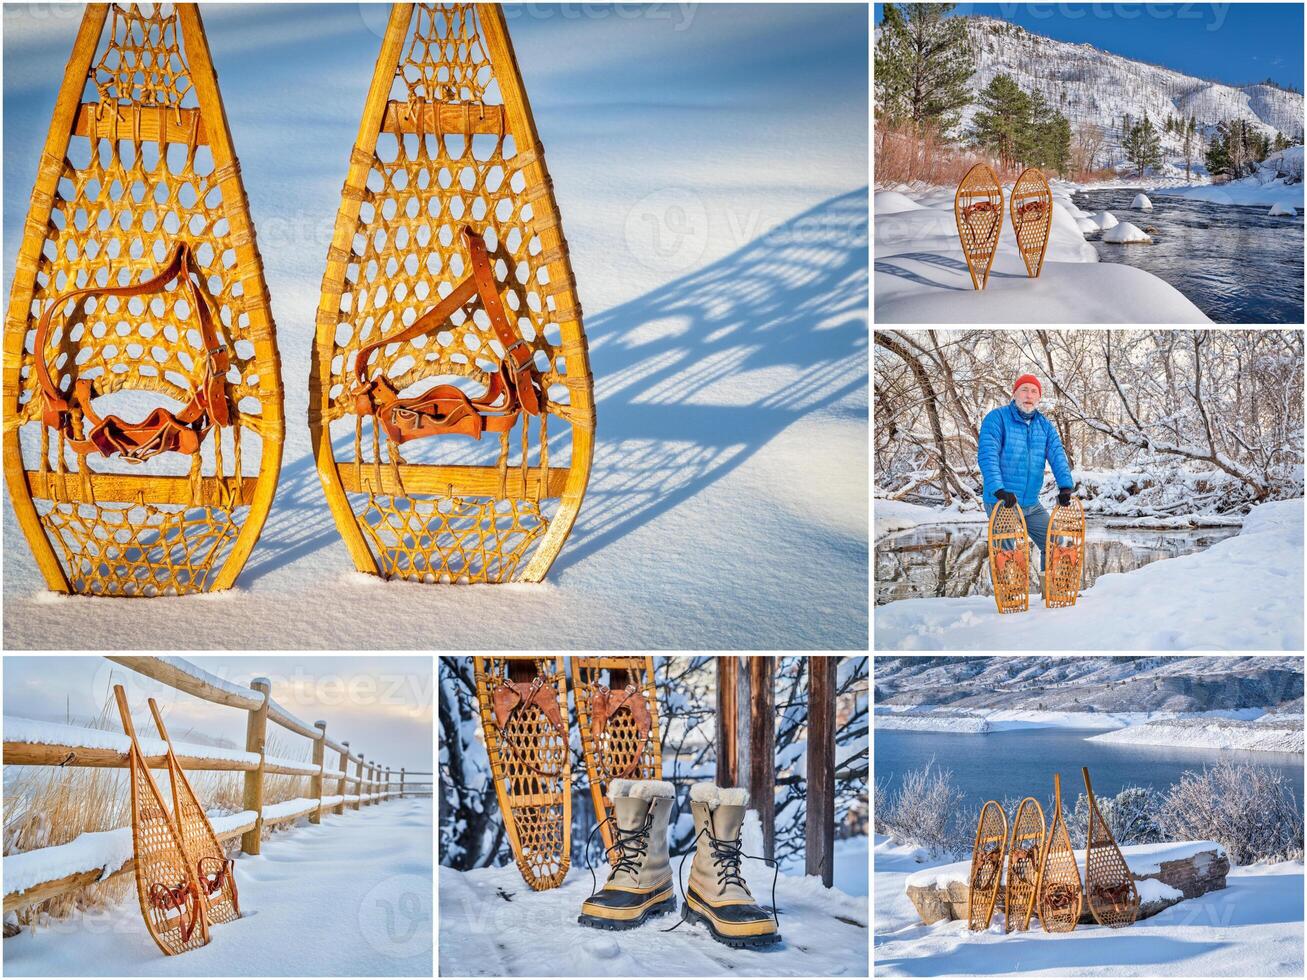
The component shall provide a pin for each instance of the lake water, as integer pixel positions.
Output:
(952, 559)
(1021, 763)
(1237, 264)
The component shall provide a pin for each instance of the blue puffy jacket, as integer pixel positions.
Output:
(1012, 452)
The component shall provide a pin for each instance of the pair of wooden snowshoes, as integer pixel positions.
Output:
(523, 703)
(1042, 877)
(184, 880)
(139, 279)
(978, 210)
(1009, 557)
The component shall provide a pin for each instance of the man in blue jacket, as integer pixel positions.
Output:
(1015, 441)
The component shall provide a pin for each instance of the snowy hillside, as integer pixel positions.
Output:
(1087, 84)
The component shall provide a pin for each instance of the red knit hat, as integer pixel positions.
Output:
(1030, 378)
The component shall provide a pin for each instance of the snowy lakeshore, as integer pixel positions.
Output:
(1252, 927)
(1242, 593)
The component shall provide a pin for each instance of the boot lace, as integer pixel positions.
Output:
(726, 858)
(632, 845)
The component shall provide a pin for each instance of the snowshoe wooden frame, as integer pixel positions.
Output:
(1024, 853)
(1109, 886)
(166, 880)
(986, 865)
(523, 703)
(611, 718)
(1064, 559)
(215, 872)
(978, 211)
(123, 179)
(1031, 206)
(1058, 891)
(1009, 568)
(447, 131)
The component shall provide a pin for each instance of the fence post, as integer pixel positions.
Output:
(820, 830)
(358, 783)
(401, 782)
(315, 784)
(344, 770)
(762, 748)
(256, 729)
(727, 671)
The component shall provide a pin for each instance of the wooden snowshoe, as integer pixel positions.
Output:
(1058, 892)
(1109, 885)
(617, 710)
(986, 865)
(1064, 554)
(215, 872)
(449, 265)
(1023, 856)
(167, 884)
(138, 272)
(1031, 204)
(978, 210)
(1009, 559)
(523, 704)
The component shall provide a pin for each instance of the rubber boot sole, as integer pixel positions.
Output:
(618, 925)
(735, 942)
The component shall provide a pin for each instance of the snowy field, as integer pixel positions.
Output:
(1252, 927)
(717, 223)
(1242, 593)
(492, 924)
(348, 897)
(1253, 737)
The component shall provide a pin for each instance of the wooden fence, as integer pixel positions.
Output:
(371, 781)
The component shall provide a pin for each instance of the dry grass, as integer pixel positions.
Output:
(46, 806)
(904, 155)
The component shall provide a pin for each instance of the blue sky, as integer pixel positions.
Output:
(1235, 43)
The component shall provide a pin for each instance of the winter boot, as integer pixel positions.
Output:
(718, 895)
(640, 884)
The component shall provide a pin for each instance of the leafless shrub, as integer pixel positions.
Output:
(923, 812)
(1131, 815)
(1249, 810)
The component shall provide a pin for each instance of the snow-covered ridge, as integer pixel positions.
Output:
(1143, 859)
(1273, 736)
(1087, 84)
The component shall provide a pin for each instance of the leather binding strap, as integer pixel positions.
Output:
(446, 409)
(161, 431)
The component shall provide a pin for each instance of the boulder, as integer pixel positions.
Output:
(1180, 871)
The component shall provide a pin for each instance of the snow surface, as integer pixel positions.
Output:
(76, 736)
(922, 277)
(892, 516)
(1243, 593)
(1141, 203)
(1252, 927)
(722, 267)
(1278, 209)
(1124, 233)
(1247, 738)
(348, 897)
(956, 724)
(493, 924)
(1278, 181)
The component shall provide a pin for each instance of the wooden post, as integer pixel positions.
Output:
(344, 780)
(315, 784)
(743, 710)
(820, 842)
(401, 782)
(762, 748)
(727, 671)
(256, 730)
(358, 783)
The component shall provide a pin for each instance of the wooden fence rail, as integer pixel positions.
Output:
(371, 782)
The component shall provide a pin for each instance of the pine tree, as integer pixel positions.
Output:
(1142, 146)
(1003, 119)
(923, 63)
(1191, 143)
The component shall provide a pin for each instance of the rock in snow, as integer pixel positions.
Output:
(1141, 203)
(1105, 220)
(1088, 226)
(1278, 209)
(1125, 233)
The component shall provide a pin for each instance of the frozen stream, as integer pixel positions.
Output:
(1236, 264)
(951, 559)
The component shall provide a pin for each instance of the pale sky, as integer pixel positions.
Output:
(381, 705)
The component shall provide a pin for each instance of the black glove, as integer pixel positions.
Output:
(1064, 497)
(1006, 497)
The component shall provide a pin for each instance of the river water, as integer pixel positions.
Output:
(1022, 762)
(1236, 264)
(952, 559)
